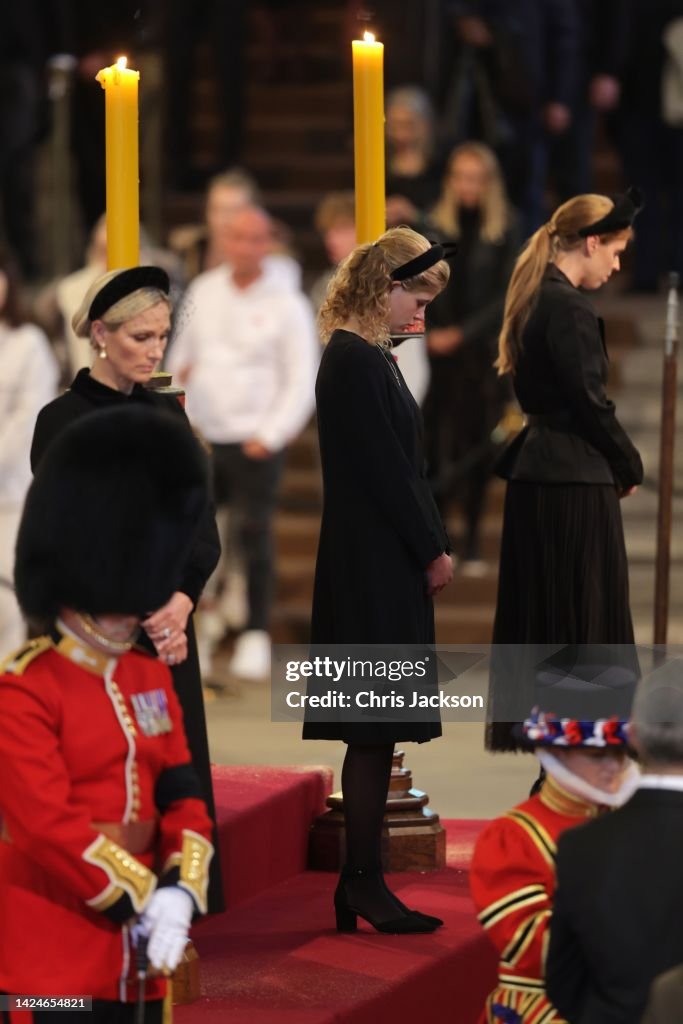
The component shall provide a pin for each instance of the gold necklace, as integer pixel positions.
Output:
(113, 646)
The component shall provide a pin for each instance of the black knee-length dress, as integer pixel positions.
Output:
(380, 526)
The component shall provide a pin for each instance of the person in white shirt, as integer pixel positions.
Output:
(28, 380)
(200, 246)
(245, 350)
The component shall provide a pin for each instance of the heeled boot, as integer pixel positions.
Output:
(356, 891)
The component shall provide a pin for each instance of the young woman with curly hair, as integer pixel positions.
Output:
(383, 550)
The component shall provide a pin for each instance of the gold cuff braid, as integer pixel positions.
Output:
(126, 874)
(196, 856)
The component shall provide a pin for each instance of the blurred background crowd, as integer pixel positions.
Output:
(496, 110)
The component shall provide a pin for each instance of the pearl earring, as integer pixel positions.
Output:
(103, 353)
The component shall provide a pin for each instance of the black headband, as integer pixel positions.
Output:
(426, 259)
(621, 216)
(125, 283)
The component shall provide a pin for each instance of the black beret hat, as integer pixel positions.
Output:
(111, 514)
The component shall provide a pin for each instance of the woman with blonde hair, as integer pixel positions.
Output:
(383, 551)
(465, 399)
(563, 569)
(126, 315)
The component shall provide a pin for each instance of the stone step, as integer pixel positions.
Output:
(301, 487)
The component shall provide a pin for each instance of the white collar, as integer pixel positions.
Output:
(579, 787)
(674, 782)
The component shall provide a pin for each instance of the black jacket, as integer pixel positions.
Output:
(538, 41)
(618, 912)
(561, 376)
(487, 267)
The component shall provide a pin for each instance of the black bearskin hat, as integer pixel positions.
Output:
(111, 514)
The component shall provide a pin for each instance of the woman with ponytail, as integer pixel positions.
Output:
(383, 550)
(563, 570)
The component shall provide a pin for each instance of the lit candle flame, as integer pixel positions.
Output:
(369, 37)
(122, 63)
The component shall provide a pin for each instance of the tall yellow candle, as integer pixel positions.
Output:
(368, 120)
(120, 85)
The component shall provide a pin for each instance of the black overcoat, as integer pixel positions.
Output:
(380, 526)
(86, 395)
(616, 923)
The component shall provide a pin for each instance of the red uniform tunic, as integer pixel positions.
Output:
(99, 804)
(512, 879)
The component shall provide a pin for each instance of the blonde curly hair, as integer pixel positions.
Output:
(361, 285)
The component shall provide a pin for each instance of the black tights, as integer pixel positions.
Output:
(365, 784)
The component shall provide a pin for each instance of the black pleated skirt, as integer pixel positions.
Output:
(563, 580)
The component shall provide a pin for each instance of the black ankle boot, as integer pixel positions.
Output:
(435, 921)
(348, 905)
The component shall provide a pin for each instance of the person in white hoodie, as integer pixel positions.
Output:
(246, 352)
(28, 380)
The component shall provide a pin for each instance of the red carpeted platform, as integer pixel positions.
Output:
(276, 959)
(264, 815)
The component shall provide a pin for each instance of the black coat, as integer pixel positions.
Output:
(86, 395)
(561, 375)
(539, 40)
(618, 909)
(477, 309)
(380, 526)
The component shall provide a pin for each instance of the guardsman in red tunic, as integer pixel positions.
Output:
(512, 876)
(105, 835)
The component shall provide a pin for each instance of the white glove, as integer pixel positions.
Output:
(167, 922)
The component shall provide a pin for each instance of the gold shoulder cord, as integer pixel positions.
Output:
(17, 662)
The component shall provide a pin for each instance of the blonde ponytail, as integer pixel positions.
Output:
(560, 234)
(526, 278)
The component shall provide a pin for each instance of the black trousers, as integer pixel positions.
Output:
(249, 488)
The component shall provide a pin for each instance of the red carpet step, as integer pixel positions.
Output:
(263, 816)
(276, 958)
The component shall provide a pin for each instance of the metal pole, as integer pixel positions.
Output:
(666, 465)
(151, 146)
(59, 91)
